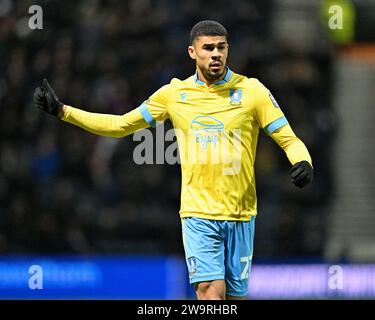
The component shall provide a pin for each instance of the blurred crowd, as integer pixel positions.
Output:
(65, 190)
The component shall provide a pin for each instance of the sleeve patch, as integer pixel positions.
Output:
(274, 102)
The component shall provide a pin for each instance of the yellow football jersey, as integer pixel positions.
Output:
(217, 129)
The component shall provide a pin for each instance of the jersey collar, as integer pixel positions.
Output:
(226, 79)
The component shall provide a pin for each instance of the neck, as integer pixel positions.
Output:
(209, 82)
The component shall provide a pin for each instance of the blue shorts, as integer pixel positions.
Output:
(219, 250)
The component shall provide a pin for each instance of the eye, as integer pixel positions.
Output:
(208, 48)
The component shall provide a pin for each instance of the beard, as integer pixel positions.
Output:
(213, 76)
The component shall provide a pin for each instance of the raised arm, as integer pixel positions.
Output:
(116, 126)
(109, 125)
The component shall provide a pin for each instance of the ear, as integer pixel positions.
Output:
(192, 53)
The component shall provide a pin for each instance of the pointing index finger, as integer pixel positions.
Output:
(45, 82)
(49, 88)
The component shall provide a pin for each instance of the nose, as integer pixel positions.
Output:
(216, 54)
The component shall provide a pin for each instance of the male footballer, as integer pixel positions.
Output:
(213, 109)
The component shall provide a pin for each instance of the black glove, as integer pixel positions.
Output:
(302, 174)
(45, 98)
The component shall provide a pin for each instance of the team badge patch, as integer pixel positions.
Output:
(192, 264)
(183, 96)
(235, 96)
(274, 102)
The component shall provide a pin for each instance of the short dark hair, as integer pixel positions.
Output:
(207, 28)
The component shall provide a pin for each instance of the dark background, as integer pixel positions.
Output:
(63, 190)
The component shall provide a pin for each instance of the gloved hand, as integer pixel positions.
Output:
(45, 98)
(302, 174)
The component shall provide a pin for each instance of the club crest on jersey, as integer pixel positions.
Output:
(183, 96)
(192, 264)
(235, 96)
(274, 102)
